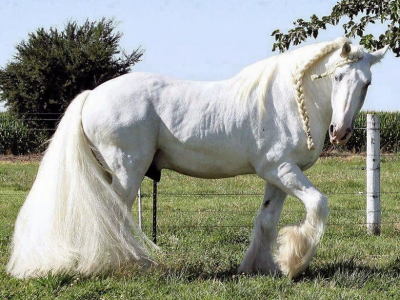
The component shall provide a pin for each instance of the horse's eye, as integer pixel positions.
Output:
(338, 77)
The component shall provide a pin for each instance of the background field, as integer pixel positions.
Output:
(204, 229)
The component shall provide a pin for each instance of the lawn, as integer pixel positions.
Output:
(204, 228)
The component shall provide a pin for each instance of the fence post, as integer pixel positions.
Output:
(373, 175)
(155, 212)
(140, 206)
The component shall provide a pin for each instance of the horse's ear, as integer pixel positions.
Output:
(345, 50)
(376, 56)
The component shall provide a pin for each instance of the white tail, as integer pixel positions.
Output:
(72, 220)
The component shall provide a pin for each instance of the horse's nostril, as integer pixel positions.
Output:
(331, 130)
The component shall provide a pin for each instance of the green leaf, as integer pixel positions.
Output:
(387, 11)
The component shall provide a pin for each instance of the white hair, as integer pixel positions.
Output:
(256, 78)
(78, 222)
(319, 51)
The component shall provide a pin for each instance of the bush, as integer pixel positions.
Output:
(51, 67)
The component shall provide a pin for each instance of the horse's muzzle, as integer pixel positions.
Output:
(339, 136)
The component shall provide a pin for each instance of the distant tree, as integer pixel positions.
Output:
(52, 66)
(359, 13)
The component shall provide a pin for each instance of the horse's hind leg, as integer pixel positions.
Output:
(259, 258)
(127, 168)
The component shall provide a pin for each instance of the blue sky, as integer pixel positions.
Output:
(194, 40)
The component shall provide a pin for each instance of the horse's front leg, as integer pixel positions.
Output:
(297, 243)
(259, 257)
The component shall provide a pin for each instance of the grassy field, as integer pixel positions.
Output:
(204, 228)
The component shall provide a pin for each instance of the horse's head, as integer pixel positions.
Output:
(351, 78)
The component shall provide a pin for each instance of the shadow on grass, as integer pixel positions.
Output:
(200, 271)
(346, 273)
(350, 272)
(203, 271)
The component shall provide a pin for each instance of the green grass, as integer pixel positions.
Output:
(204, 230)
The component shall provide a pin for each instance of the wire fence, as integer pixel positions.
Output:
(195, 206)
(342, 214)
(249, 209)
(213, 215)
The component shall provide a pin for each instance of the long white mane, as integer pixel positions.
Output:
(255, 79)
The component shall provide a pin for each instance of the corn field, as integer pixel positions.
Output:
(18, 139)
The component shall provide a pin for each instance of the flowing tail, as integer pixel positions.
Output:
(73, 221)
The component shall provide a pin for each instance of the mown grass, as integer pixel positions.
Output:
(204, 228)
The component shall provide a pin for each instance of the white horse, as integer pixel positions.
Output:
(270, 119)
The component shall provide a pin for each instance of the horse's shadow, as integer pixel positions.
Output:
(345, 272)
(349, 272)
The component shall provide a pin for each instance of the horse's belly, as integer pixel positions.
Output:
(202, 164)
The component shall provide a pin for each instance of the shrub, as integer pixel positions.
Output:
(53, 66)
